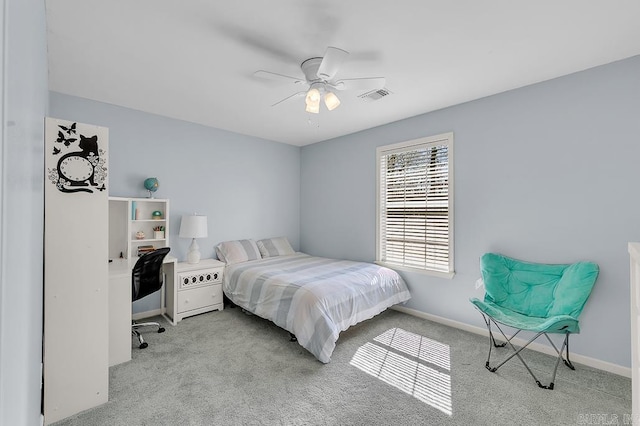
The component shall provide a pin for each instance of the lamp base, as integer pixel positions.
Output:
(193, 255)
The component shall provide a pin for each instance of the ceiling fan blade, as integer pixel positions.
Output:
(295, 95)
(331, 62)
(267, 75)
(254, 39)
(371, 83)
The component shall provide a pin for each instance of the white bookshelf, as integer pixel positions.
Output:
(124, 224)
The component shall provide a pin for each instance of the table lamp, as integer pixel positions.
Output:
(193, 226)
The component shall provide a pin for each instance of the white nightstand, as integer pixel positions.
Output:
(197, 288)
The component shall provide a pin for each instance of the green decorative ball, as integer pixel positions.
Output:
(151, 184)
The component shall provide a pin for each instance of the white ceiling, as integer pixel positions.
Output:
(194, 59)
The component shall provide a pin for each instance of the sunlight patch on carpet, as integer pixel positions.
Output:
(406, 361)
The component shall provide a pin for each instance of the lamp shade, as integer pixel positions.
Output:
(331, 101)
(193, 226)
(313, 108)
(313, 96)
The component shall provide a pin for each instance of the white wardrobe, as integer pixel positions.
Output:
(76, 240)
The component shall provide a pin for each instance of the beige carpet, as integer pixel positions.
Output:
(229, 368)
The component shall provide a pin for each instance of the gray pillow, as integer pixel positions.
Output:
(271, 247)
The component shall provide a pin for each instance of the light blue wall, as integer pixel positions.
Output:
(24, 100)
(247, 187)
(546, 173)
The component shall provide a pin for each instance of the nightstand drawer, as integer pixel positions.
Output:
(200, 297)
(199, 278)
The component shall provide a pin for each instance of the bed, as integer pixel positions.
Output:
(313, 298)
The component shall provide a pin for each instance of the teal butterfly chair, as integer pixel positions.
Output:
(540, 298)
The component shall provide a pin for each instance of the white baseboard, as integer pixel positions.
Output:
(585, 360)
(147, 314)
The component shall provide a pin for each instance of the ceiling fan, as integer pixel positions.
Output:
(319, 80)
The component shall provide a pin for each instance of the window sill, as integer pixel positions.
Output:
(447, 275)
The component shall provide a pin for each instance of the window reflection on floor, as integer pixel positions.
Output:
(412, 363)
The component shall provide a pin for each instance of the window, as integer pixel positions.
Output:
(415, 204)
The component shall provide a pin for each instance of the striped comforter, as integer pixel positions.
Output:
(314, 298)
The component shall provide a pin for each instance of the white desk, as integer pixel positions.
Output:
(120, 305)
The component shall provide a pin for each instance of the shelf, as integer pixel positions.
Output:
(123, 227)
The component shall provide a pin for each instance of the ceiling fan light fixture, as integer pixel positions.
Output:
(313, 107)
(313, 97)
(313, 101)
(331, 101)
(320, 80)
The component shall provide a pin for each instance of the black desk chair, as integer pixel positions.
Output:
(146, 278)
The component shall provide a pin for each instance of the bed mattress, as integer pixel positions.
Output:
(314, 298)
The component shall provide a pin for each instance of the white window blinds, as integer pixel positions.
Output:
(416, 204)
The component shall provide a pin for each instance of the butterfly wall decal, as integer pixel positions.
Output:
(65, 140)
(71, 129)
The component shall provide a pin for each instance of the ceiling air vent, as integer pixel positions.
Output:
(374, 95)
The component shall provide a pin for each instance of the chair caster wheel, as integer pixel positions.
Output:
(161, 330)
(143, 345)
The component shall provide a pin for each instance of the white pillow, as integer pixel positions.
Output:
(271, 247)
(237, 251)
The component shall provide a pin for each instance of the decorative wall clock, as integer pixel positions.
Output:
(81, 165)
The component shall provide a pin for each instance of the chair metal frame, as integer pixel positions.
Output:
(516, 351)
(135, 332)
